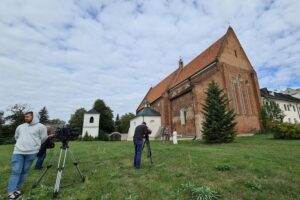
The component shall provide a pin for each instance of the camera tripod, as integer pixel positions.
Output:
(64, 149)
(149, 153)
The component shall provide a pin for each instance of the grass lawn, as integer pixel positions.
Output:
(259, 168)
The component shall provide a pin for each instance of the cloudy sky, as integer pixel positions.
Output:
(65, 54)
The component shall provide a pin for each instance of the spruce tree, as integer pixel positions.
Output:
(218, 125)
(118, 124)
(44, 117)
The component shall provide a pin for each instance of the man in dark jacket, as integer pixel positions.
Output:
(141, 131)
(48, 144)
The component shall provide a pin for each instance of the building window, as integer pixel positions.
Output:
(295, 120)
(236, 109)
(248, 97)
(294, 108)
(183, 116)
(284, 107)
(289, 120)
(288, 107)
(241, 94)
(91, 119)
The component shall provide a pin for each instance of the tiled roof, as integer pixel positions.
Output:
(207, 57)
(147, 111)
(201, 61)
(92, 111)
(158, 90)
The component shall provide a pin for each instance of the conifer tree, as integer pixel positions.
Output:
(44, 117)
(218, 125)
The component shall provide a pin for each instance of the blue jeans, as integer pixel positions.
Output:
(39, 162)
(21, 164)
(138, 148)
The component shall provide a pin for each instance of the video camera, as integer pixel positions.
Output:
(66, 134)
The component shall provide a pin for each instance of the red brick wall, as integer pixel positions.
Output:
(183, 102)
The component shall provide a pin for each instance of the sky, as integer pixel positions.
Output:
(66, 54)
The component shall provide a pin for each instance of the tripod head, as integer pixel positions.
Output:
(64, 144)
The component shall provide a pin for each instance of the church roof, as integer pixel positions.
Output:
(92, 111)
(204, 59)
(147, 111)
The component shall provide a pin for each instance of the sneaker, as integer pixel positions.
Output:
(12, 196)
(18, 193)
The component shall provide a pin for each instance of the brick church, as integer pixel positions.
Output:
(179, 97)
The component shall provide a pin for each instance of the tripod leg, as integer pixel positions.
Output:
(149, 153)
(75, 163)
(45, 171)
(42, 176)
(59, 171)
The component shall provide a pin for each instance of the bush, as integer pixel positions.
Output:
(87, 137)
(103, 136)
(201, 193)
(286, 131)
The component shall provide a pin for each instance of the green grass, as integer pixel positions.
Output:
(260, 168)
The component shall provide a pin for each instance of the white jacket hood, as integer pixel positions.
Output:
(35, 119)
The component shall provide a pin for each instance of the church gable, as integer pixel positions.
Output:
(233, 53)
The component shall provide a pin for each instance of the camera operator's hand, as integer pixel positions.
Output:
(149, 131)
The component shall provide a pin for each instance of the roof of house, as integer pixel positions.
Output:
(92, 111)
(278, 96)
(147, 111)
(204, 59)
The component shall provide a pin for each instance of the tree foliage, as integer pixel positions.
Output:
(106, 116)
(56, 121)
(44, 116)
(2, 120)
(10, 122)
(270, 112)
(76, 120)
(125, 122)
(118, 124)
(218, 125)
(16, 116)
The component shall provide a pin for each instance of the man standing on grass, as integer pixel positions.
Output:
(29, 137)
(141, 131)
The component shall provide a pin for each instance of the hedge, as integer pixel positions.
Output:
(286, 131)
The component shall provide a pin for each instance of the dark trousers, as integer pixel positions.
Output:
(138, 148)
(39, 162)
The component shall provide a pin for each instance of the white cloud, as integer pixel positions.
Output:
(66, 54)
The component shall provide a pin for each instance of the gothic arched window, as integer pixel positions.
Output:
(91, 119)
(241, 94)
(248, 97)
(236, 109)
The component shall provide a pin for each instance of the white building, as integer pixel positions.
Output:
(152, 119)
(292, 92)
(287, 103)
(91, 122)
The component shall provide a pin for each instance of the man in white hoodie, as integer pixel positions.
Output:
(29, 137)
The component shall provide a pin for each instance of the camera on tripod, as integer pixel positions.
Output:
(66, 134)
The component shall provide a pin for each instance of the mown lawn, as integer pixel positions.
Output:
(260, 168)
